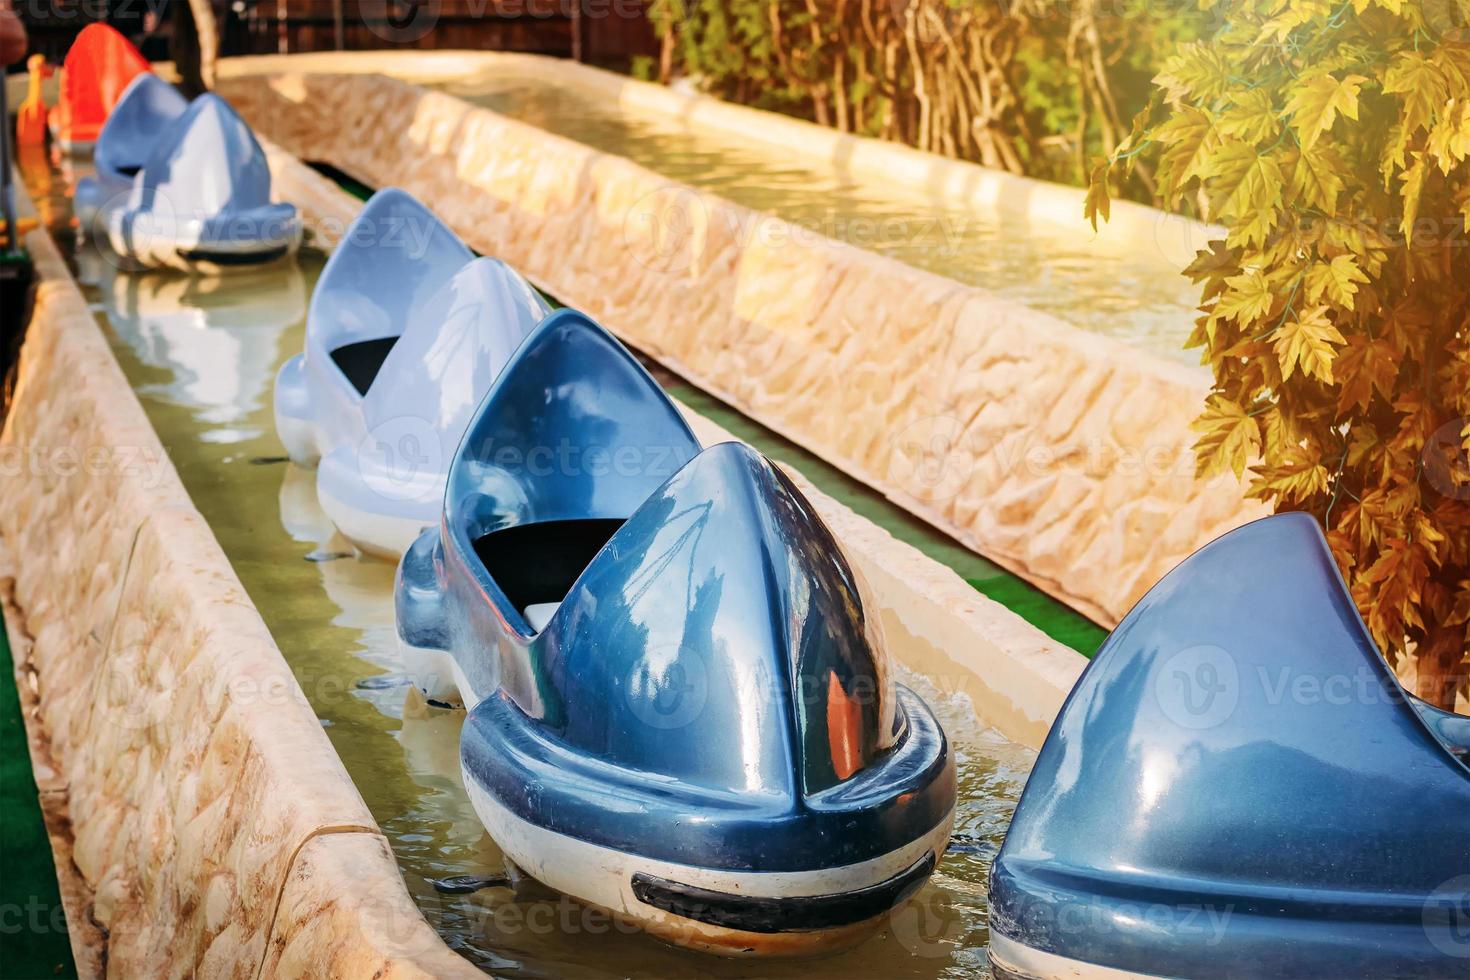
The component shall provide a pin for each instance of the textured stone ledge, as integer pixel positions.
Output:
(1132, 226)
(189, 786)
(1015, 676)
(1061, 454)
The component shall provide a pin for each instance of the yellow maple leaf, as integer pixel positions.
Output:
(1422, 85)
(1229, 438)
(1337, 280)
(1307, 342)
(1316, 179)
(1316, 103)
(1190, 138)
(1248, 299)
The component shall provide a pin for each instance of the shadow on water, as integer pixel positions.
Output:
(202, 356)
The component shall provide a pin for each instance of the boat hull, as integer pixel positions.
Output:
(614, 880)
(213, 245)
(437, 675)
(1013, 960)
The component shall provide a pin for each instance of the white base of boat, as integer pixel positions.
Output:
(437, 675)
(383, 535)
(298, 436)
(603, 877)
(1020, 961)
(160, 250)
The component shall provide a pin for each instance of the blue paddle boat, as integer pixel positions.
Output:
(681, 708)
(202, 200)
(1239, 787)
(405, 335)
(148, 107)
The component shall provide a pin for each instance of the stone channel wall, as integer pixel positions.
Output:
(1059, 453)
(202, 822)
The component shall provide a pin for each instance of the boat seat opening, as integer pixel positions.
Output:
(535, 565)
(361, 361)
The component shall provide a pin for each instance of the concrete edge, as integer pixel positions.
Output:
(954, 181)
(120, 757)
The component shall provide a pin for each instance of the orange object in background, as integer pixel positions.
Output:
(30, 119)
(98, 67)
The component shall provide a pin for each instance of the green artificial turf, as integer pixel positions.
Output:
(32, 924)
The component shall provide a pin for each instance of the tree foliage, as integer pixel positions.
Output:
(1331, 140)
(1031, 86)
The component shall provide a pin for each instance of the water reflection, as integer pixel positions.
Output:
(216, 340)
(1138, 296)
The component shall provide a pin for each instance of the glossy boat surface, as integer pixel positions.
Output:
(1239, 786)
(147, 108)
(539, 454)
(98, 67)
(406, 333)
(202, 201)
(680, 709)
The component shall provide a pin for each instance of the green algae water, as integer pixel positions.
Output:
(202, 355)
(1138, 296)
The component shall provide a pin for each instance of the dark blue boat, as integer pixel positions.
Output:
(681, 706)
(1239, 787)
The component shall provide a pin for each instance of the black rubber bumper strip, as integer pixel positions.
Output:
(233, 258)
(803, 913)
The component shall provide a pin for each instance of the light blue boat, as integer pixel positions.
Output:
(202, 200)
(681, 707)
(1239, 787)
(144, 113)
(406, 332)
